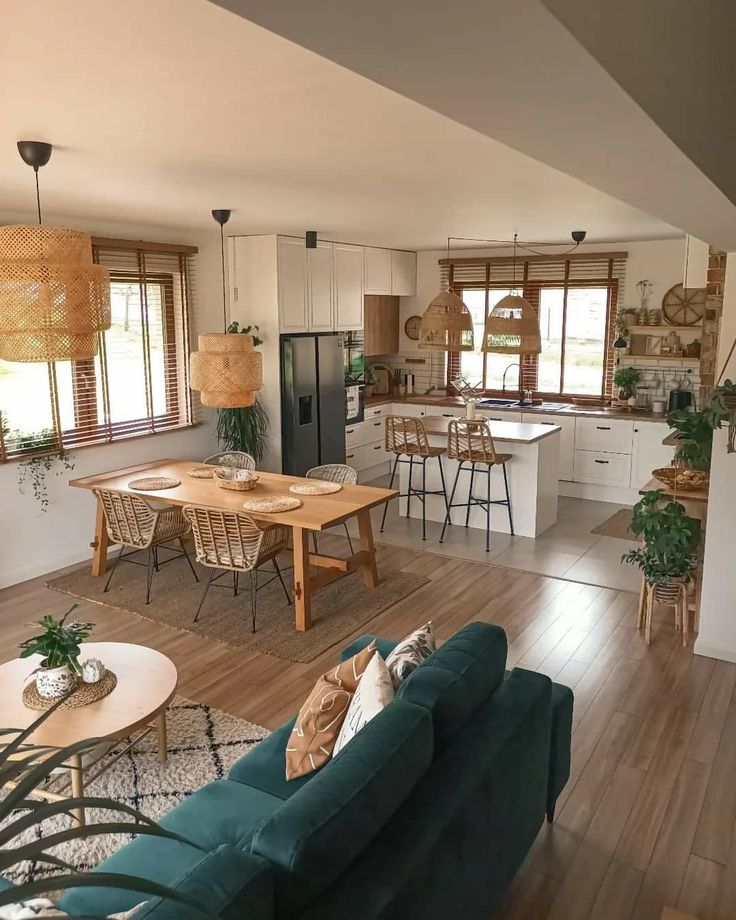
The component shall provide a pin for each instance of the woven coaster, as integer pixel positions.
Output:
(202, 472)
(272, 505)
(154, 483)
(318, 487)
(83, 695)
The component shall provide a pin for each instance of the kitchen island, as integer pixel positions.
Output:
(532, 472)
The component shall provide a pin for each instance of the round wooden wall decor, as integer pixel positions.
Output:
(682, 307)
(411, 327)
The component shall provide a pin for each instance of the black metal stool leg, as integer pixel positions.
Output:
(211, 578)
(452, 498)
(444, 487)
(408, 491)
(424, 498)
(488, 510)
(390, 485)
(470, 494)
(508, 498)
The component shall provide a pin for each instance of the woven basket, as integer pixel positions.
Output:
(234, 479)
(53, 298)
(226, 369)
(82, 695)
(682, 479)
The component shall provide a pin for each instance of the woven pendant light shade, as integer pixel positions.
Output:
(447, 324)
(512, 328)
(226, 369)
(53, 298)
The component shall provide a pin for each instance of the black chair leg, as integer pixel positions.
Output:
(347, 534)
(390, 485)
(114, 568)
(488, 510)
(149, 579)
(314, 543)
(189, 561)
(253, 596)
(155, 557)
(452, 498)
(470, 494)
(508, 499)
(235, 584)
(211, 578)
(281, 579)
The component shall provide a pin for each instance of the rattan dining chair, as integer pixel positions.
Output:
(470, 442)
(237, 458)
(334, 472)
(137, 526)
(406, 437)
(231, 541)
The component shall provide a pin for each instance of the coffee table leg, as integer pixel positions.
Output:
(161, 732)
(77, 776)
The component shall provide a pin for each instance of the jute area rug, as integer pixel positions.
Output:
(337, 609)
(617, 526)
(203, 743)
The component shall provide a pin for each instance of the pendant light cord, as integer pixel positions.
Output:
(38, 195)
(224, 293)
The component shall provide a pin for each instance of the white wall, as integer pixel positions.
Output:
(33, 542)
(717, 637)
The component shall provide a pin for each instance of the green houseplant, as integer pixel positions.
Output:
(626, 379)
(40, 454)
(58, 642)
(244, 429)
(671, 539)
(695, 436)
(723, 405)
(25, 767)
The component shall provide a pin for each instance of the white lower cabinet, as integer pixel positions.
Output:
(649, 453)
(566, 468)
(493, 415)
(354, 457)
(607, 434)
(601, 468)
(354, 436)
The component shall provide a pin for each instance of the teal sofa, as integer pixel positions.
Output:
(435, 803)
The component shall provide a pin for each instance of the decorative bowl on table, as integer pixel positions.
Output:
(230, 477)
(681, 478)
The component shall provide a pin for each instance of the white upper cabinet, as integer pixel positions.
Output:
(292, 262)
(320, 288)
(349, 271)
(378, 271)
(403, 273)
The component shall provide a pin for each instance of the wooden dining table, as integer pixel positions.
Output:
(317, 513)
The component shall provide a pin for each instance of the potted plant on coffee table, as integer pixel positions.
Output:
(58, 642)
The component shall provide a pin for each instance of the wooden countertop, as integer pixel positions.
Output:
(508, 432)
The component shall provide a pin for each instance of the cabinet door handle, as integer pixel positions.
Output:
(603, 427)
(378, 447)
(448, 415)
(350, 430)
(601, 461)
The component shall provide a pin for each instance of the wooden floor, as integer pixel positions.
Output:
(648, 816)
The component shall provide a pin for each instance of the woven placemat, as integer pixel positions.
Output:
(272, 505)
(154, 483)
(318, 487)
(202, 472)
(83, 695)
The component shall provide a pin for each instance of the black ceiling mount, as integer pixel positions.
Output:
(222, 216)
(578, 235)
(35, 153)
(311, 239)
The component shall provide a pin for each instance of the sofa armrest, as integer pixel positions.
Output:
(233, 884)
(560, 744)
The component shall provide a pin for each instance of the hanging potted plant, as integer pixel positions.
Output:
(244, 429)
(671, 539)
(40, 454)
(59, 644)
(626, 379)
(723, 405)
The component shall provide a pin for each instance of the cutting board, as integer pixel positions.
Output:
(381, 381)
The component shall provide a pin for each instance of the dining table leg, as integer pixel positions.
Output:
(100, 544)
(368, 566)
(302, 594)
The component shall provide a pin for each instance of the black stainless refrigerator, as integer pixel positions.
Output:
(312, 401)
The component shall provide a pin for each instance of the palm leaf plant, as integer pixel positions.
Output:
(24, 768)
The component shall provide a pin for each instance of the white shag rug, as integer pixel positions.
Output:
(203, 743)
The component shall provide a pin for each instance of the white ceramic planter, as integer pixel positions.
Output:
(53, 683)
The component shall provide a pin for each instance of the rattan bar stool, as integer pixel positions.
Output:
(231, 541)
(672, 594)
(237, 458)
(136, 526)
(469, 441)
(334, 472)
(406, 437)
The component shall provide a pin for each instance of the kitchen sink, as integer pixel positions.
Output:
(496, 403)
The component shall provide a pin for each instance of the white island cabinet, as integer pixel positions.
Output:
(532, 472)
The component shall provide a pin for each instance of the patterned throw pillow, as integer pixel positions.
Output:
(42, 907)
(320, 719)
(375, 691)
(410, 653)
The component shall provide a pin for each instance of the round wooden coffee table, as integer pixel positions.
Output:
(136, 707)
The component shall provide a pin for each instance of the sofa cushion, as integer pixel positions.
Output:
(457, 678)
(263, 766)
(375, 691)
(219, 813)
(410, 653)
(324, 826)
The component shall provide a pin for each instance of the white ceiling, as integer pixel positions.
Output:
(160, 110)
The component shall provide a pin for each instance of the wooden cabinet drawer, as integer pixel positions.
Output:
(601, 468)
(354, 436)
(354, 457)
(374, 430)
(609, 435)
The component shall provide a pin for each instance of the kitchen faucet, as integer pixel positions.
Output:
(506, 370)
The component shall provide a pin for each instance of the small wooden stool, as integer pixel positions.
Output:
(672, 594)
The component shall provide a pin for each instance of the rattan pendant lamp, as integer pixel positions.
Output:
(512, 327)
(447, 324)
(53, 299)
(226, 368)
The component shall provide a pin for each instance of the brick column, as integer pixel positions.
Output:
(712, 322)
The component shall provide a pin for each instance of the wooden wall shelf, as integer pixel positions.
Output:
(663, 329)
(690, 362)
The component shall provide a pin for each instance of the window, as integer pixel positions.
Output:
(576, 300)
(138, 382)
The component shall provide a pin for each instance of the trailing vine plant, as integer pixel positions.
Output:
(45, 456)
